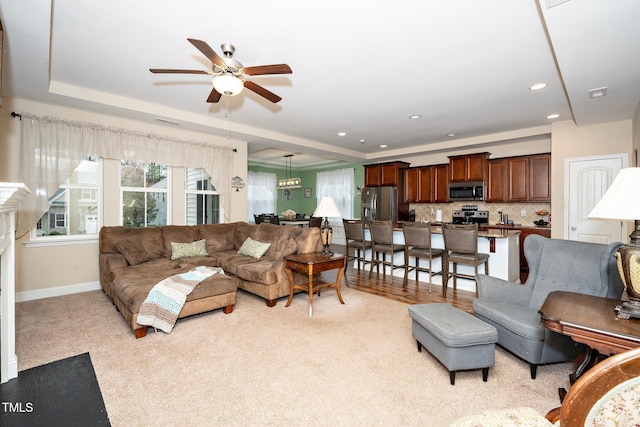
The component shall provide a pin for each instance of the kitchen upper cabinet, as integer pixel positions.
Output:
(418, 184)
(440, 180)
(540, 178)
(517, 179)
(426, 184)
(469, 167)
(496, 180)
(385, 174)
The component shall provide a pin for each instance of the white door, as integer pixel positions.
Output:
(588, 180)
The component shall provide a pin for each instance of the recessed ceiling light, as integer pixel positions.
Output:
(451, 134)
(415, 116)
(342, 133)
(553, 116)
(362, 141)
(384, 146)
(538, 86)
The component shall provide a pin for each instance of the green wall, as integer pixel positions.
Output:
(305, 205)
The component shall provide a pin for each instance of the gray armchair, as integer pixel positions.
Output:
(554, 265)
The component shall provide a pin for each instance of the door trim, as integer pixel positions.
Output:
(624, 157)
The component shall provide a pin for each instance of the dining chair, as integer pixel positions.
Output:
(274, 220)
(461, 247)
(258, 218)
(382, 243)
(417, 244)
(315, 221)
(354, 236)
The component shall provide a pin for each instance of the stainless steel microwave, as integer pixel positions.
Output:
(466, 191)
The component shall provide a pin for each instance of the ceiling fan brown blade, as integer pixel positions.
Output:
(262, 91)
(208, 52)
(267, 69)
(162, 70)
(214, 96)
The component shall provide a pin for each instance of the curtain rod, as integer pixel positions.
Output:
(18, 115)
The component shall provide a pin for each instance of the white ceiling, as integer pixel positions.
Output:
(360, 67)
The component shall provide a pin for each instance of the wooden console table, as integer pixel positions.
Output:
(312, 264)
(590, 320)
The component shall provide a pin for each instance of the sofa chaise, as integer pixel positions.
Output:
(133, 260)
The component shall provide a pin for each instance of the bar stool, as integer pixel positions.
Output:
(382, 242)
(461, 247)
(354, 235)
(417, 244)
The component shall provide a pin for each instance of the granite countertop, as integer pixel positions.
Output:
(505, 231)
(516, 226)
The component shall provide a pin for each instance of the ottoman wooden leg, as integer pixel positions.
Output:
(452, 377)
(485, 374)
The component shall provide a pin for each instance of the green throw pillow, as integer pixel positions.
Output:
(182, 250)
(253, 248)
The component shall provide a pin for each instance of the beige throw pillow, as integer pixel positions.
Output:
(182, 250)
(253, 248)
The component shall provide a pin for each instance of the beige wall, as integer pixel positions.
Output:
(570, 141)
(41, 268)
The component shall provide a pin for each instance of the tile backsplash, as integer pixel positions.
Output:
(427, 211)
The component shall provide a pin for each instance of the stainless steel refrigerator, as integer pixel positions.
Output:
(379, 204)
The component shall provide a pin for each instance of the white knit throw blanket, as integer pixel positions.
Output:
(165, 300)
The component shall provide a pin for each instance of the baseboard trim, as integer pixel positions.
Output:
(57, 291)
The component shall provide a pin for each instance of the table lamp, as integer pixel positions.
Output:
(622, 202)
(326, 208)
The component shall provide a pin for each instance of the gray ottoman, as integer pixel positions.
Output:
(457, 339)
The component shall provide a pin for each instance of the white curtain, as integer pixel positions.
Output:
(51, 149)
(261, 193)
(340, 185)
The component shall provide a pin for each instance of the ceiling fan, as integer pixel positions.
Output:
(229, 75)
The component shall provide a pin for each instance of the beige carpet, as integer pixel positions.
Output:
(350, 365)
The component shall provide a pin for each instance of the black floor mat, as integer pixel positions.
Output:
(62, 393)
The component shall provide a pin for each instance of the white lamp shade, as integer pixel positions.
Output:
(227, 84)
(327, 208)
(622, 199)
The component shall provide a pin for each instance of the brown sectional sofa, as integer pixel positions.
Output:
(133, 260)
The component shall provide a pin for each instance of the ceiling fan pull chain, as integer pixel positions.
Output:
(226, 114)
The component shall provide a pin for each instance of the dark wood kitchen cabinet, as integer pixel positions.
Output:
(440, 181)
(540, 178)
(517, 179)
(469, 167)
(496, 180)
(426, 184)
(385, 174)
(418, 184)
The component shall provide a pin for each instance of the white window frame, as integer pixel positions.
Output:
(77, 239)
(188, 191)
(166, 193)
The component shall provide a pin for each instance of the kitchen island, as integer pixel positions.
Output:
(502, 245)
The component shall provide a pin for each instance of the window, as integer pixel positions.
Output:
(144, 194)
(338, 184)
(203, 201)
(261, 193)
(74, 208)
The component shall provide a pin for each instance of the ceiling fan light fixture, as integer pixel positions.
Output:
(227, 84)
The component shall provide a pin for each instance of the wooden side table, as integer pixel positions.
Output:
(312, 264)
(590, 320)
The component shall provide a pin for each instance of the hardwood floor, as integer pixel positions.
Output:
(391, 287)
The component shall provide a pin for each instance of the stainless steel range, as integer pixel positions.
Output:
(469, 214)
